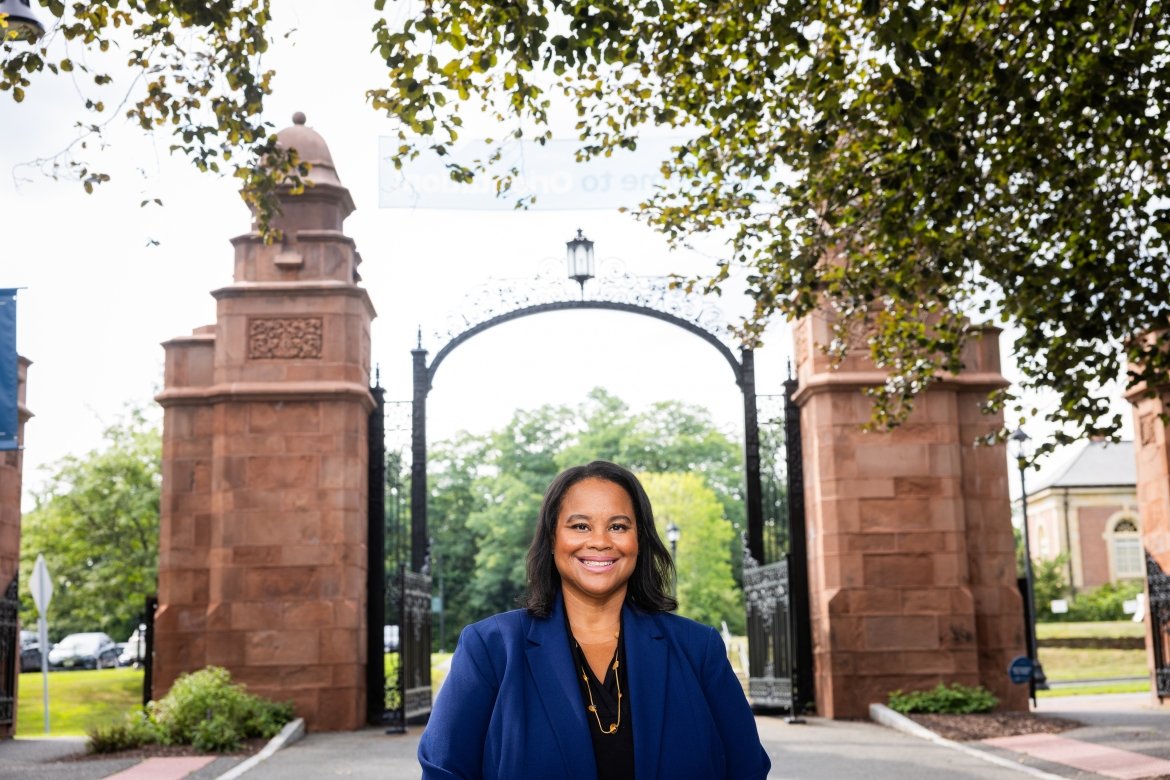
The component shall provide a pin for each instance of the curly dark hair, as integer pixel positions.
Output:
(649, 585)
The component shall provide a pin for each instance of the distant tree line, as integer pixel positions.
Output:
(485, 492)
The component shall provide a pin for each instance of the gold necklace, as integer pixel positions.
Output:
(613, 727)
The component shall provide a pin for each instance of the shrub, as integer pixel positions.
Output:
(204, 709)
(1103, 603)
(954, 699)
(133, 731)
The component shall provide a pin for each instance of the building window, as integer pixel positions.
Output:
(1125, 542)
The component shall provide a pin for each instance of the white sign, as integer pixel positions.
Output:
(548, 172)
(41, 586)
(1059, 606)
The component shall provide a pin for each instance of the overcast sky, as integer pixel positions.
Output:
(107, 280)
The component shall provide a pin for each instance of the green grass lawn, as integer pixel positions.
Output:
(1116, 628)
(1066, 663)
(77, 700)
(1137, 686)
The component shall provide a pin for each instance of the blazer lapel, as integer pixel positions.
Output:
(646, 660)
(550, 662)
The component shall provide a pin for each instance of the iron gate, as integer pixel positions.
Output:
(776, 588)
(398, 675)
(1158, 584)
(9, 652)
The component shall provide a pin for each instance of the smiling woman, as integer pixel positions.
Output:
(575, 685)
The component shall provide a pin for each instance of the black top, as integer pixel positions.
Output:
(614, 753)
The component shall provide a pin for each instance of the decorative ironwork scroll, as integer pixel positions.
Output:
(770, 658)
(1158, 584)
(415, 640)
(613, 285)
(9, 652)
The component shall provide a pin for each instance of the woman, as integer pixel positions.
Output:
(595, 679)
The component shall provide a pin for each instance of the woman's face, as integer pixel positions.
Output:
(596, 542)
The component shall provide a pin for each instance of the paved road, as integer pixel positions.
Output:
(820, 749)
(817, 750)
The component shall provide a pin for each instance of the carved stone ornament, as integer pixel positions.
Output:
(284, 338)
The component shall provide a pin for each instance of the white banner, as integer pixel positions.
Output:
(549, 172)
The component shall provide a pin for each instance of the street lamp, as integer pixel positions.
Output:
(579, 258)
(1039, 681)
(672, 534)
(23, 23)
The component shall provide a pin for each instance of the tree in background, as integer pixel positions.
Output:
(96, 522)
(669, 436)
(485, 492)
(707, 592)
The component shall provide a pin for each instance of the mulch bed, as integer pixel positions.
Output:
(251, 747)
(986, 725)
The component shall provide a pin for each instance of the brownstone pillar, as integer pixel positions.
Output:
(11, 470)
(1152, 447)
(263, 541)
(912, 573)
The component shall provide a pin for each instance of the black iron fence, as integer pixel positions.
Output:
(1158, 586)
(9, 652)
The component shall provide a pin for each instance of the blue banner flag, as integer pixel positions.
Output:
(9, 414)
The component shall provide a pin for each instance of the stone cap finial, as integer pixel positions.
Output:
(311, 148)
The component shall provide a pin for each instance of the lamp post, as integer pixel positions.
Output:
(579, 259)
(1039, 681)
(672, 534)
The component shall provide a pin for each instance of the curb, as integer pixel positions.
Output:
(292, 731)
(883, 715)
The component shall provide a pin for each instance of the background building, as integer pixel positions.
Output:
(1086, 507)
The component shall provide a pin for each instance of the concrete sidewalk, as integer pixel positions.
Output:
(816, 750)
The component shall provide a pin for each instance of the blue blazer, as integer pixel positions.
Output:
(511, 708)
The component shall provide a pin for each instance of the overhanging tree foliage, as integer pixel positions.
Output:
(190, 67)
(904, 164)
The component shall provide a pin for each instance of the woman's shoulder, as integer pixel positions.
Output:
(682, 628)
(501, 628)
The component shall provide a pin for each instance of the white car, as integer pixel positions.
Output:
(90, 650)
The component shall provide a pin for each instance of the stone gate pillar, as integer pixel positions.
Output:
(1152, 447)
(262, 565)
(11, 472)
(912, 572)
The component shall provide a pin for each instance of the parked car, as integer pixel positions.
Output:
(90, 650)
(133, 649)
(30, 652)
(389, 638)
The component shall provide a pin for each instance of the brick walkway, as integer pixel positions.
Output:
(1086, 756)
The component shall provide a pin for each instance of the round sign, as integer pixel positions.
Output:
(1020, 669)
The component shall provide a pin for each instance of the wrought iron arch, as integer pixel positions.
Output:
(745, 378)
(633, 308)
